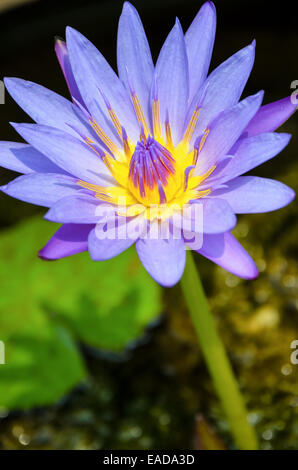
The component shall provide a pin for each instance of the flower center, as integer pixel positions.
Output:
(152, 173)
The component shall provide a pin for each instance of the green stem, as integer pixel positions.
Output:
(216, 358)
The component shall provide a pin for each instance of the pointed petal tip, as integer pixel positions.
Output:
(70, 32)
(15, 86)
(287, 102)
(259, 96)
(26, 125)
(210, 5)
(69, 29)
(42, 255)
(167, 285)
(127, 6)
(251, 48)
(286, 137)
(10, 81)
(249, 272)
(60, 46)
(177, 25)
(16, 125)
(292, 195)
(164, 260)
(252, 274)
(225, 251)
(163, 281)
(58, 39)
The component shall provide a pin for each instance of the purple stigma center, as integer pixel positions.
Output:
(150, 167)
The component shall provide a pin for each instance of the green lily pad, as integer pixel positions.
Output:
(46, 306)
(40, 367)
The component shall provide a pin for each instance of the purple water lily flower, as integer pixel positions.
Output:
(153, 138)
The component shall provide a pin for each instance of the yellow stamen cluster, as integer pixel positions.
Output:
(181, 187)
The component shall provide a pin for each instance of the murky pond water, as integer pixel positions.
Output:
(148, 396)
